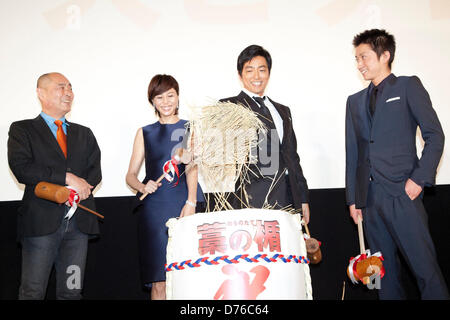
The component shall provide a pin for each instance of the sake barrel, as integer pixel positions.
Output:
(238, 254)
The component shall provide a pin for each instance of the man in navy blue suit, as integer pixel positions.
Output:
(384, 176)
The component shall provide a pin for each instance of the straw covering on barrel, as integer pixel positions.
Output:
(224, 135)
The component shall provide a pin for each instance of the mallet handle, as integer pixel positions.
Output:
(306, 228)
(362, 248)
(157, 181)
(91, 211)
(179, 154)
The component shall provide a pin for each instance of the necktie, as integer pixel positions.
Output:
(61, 137)
(269, 159)
(264, 110)
(373, 100)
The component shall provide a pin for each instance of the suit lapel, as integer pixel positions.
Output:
(359, 108)
(364, 101)
(284, 117)
(248, 102)
(381, 101)
(71, 137)
(43, 128)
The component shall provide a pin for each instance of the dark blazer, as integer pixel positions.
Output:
(288, 148)
(385, 146)
(34, 155)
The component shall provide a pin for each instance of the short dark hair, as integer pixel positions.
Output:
(160, 84)
(379, 40)
(251, 52)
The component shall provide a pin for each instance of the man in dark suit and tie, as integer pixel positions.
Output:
(49, 148)
(384, 176)
(277, 177)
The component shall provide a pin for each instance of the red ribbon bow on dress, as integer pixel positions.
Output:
(170, 168)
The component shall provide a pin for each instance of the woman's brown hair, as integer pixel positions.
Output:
(160, 84)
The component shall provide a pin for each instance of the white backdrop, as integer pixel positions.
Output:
(110, 49)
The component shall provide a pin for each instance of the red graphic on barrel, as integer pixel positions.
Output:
(213, 236)
(238, 286)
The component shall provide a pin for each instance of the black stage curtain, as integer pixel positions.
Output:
(112, 270)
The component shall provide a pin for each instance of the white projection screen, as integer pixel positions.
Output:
(110, 49)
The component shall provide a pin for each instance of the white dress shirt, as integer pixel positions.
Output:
(278, 122)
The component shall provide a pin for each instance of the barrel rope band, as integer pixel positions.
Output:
(237, 259)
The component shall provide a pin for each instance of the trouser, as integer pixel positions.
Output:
(273, 191)
(66, 249)
(396, 225)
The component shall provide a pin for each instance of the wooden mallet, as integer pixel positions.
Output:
(59, 194)
(363, 266)
(313, 251)
(181, 156)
